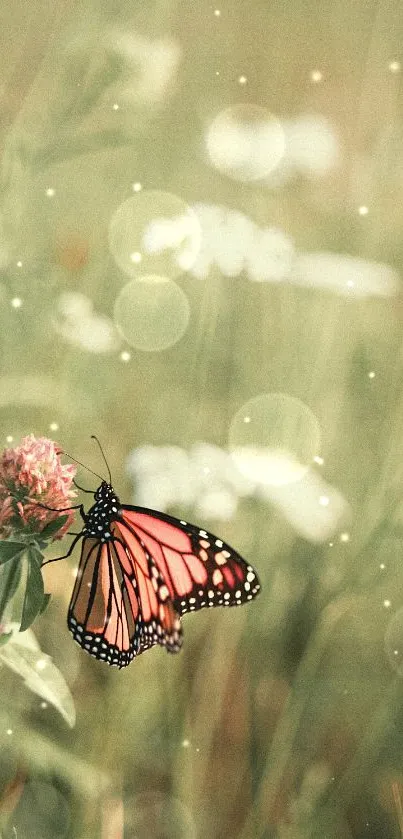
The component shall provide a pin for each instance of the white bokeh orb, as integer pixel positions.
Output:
(151, 313)
(154, 232)
(273, 439)
(245, 142)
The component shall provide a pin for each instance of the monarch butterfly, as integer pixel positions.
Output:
(140, 571)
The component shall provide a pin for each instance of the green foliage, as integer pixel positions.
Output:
(34, 592)
(52, 528)
(35, 601)
(23, 655)
(10, 576)
(11, 550)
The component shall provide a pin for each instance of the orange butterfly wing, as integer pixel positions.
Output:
(120, 605)
(104, 614)
(132, 588)
(198, 569)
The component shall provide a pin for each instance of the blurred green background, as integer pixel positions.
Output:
(263, 142)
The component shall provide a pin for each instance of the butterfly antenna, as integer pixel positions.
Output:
(103, 455)
(66, 454)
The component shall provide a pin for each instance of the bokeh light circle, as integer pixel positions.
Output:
(274, 438)
(154, 232)
(151, 313)
(245, 142)
(394, 642)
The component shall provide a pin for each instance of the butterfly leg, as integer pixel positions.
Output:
(69, 552)
(79, 507)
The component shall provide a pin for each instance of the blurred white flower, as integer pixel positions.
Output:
(270, 256)
(181, 233)
(76, 321)
(207, 479)
(214, 468)
(345, 275)
(314, 508)
(234, 243)
(312, 147)
(217, 504)
(151, 65)
(245, 142)
(73, 304)
(202, 478)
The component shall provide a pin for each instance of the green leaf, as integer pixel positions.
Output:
(36, 555)
(9, 550)
(45, 603)
(4, 638)
(53, 527)
(24, 656)
(34, 592)
(10, 576)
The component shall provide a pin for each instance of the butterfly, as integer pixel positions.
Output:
(140, 571)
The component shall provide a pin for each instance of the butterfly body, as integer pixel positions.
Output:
(140, 571)
(97, 522)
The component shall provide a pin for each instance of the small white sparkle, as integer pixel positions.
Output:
(44, 705)
(382, 566)
(54, 426)
(246, 419)
(394, 66)
(316, 76)
(217, 72)
(331, 544)
(19, 264)
(371, 374)
(9, 438)
(16, 302)
(324, 500)
(115, 106)
(350, 284)
(125, 356)
(136, 257)
(242, 80)
(344, 537)
(9, 731)
(363, 210)
(41, 664)
(50, 192)
(185, 743)
(387, 604)
(136, 187)
(217, 13)
(319, 460)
